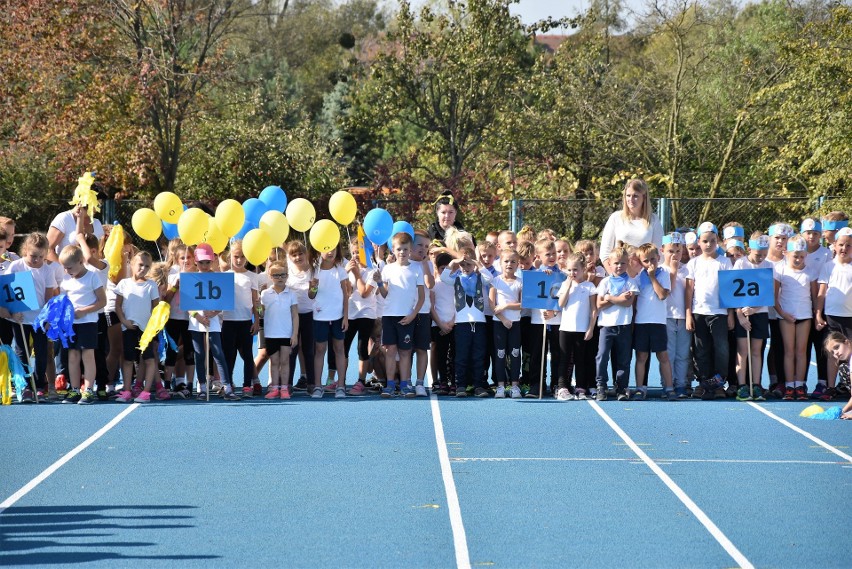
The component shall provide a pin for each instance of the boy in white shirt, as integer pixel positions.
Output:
(616, 295)
(402, 287)
(649, 332)
(679, 339)
(423, 324)
(705, 317)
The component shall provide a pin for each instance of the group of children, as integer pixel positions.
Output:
(457, 300)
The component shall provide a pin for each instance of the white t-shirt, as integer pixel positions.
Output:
(299, 282)
(578, 308)
(328, 302)
(704, 272)
(103, 274)
(44, 279)
(630, 232)
(363, 306)
(794, 297)
(136, 300)
(66, 223)
(427, 298)
(445, 303)
(176, 313)
(614, 314)
(277, 319)
(401, 282)
(508, 292)
(649, 308)
(244, 284)
(81, 293)
(676, 302)
(815, 261)
(743, 263)
(838, 295)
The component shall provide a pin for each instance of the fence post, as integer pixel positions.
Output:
(519, 214)
(108, 215)
(665, 214)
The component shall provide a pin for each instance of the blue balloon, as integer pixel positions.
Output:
(170, 230)
(247, 226)
(378, 225)
(274, 198)
(254, 209)
(402, 227)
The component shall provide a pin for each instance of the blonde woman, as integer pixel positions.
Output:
(634, 225)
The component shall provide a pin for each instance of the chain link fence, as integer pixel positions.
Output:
(753, 213)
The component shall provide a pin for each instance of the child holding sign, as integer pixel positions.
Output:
(752, 322)
(834, 301)
(795, 291)
(241, 323)
(544, 328)
(281, 329)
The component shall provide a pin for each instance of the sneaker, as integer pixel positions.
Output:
(229, 395)
(461, 392)
(388, 392)
(302, 384)
(801, 393)
(340, 393)
(60, 384)
(256, 389)
(731, 390)
(670, 395)
(272, 393)
(136, 389)
(531, 395)
(317, 393)
(441, 389)
(285, 392)
(124, 397)
(144, 397)
(580, 395)
(525, 388)
(818, 391)
(358, 389)
(828, 394)
(102, 395)
(420, 391)
(639, 395)
(600, 394)
(407, 391)
(27, 396)
(743, 393)
(516, 392)
(759, 394)
(180, 392)
(564, 394)
(482, 392)
(501, 393)
(216, 386)
(87, 397)
(622, 395)
(698, 392)
(248, 392)
(777, 391)
(331, 387)
(789, 394)
(201, 395)
(163, 394)
(72, 396)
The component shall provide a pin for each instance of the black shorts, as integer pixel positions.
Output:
(85, 336)
(395, 334)
(112, 318)
(422, 331)
(842, 324)
(274, 345)
(648, 338)
(130, 341)
(759, 327)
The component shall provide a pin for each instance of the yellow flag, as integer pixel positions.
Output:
(85, 196)
(113, 249)
(5, 379)
(159, 317)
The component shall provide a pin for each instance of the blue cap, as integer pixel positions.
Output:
(810, 224)
(733, 231)
(834, 225)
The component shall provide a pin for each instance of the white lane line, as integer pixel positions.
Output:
(806, 434)
(717, 534)
(459, 536)
(10, 501)
(636, 460)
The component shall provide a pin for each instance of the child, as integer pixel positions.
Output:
(834, 301)
(692, 249)
(33, 252)
(578, 303)
(87, 295)
(840, 348)
(423, 323)
(563, 249)
(243, 322)
(443, 321)
(507, 240)
(362, 315)
(616, 295)
(505, 297)
(779, 232)
(818, 256)
(544, 329)
(136, 298)
(832, 223)
(182, 259)
(795, 291)
(705, 317)
(402, 287)
(209, 323)
(678, 338)
(589, 250)
(281, 329)
(330, 292)
(649, 333)
(299, 263)
(468, 282)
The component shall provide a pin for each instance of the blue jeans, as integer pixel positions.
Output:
(470, 353)
(678, 348)
(619, 340)
(218, 357)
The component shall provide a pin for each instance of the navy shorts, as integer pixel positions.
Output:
(423, 332)
(395, 334)
(85, 336)
(273, 345)
(759, 327)
(130, 340)
(650, 338)
(325, 329)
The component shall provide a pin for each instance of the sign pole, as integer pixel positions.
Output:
(207, 361)
(29, 361)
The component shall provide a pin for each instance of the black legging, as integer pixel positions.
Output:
(237, 339)
(306, 346)
(364, 328)
(178, 331)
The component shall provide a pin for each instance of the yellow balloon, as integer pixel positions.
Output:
(168, 207)
(214, 236)
(276, 226)
(146, 224)
(192, 226)
(256, 246)
(324, 235)
(230, 217)
(301, 214)
(342, 207)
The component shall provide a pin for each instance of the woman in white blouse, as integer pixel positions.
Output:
(634, 225)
